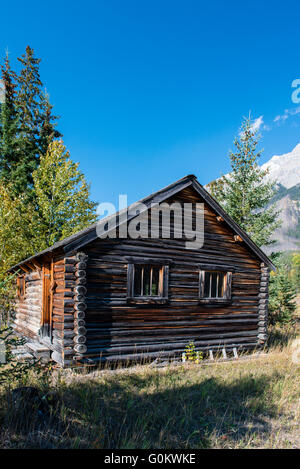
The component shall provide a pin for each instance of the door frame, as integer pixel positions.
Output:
(47, 301)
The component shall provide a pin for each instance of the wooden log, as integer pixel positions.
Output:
(80, 330)
(81, 306)
(57, 357)
(80, 273)
(79, 298)
(262, 336)
(80, 289)
(70, 260)
(70, 268)
(80, 348)
(79, 315)
(81, 281)
(263, 295)
(79, 322)
(150, 355)
(81, 256)
(79, 339)
(81, 265)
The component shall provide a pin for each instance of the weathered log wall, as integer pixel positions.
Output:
(29, 309)
(118, 330)
(68, 334)
(93, 319)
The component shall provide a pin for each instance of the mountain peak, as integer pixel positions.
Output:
(285, 169)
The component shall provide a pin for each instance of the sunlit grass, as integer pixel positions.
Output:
(244, 404)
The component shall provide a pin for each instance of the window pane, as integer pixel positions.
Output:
(206, 284)
(221, 285)
(155, 281)
(138, 280)
(213, 285)
(146, 280)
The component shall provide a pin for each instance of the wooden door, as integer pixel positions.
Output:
(47, 301)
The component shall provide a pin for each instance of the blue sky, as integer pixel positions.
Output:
(149, 91)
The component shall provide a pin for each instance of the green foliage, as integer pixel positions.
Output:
(48, 124)
(27, 125)
(9, 127)
(62, 196)
(12, 369)
(29, 98)
(18, 223)
(243, 193)
(295, 271)
(282, 295)
(7, 297)
(192, 354)
(38, 205)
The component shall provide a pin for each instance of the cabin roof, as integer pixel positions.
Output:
(87, 235)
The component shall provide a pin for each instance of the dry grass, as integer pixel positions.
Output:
(250, 404)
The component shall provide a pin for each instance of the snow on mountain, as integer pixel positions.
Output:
(285, 168)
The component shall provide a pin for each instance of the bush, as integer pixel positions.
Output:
(282, 303)
(192, 354)
(12, 369)
(7, 297)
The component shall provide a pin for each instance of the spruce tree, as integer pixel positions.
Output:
(47, 125)
(37, 124)
(9, 127)
(62, 197)
(28, 102)
(244, 193)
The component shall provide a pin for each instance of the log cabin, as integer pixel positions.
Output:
(91, 299)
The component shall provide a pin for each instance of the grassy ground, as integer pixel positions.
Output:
(250, 404)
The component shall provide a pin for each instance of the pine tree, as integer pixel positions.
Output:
(62, 195)
(244, 194)
(48, 124)
(28, 101)
(9, 127)
(37, 124)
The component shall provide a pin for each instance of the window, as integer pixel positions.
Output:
(215, 286)
(21, 287)
(147, 282)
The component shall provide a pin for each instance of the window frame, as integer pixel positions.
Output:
(21, 287)
(162, 298)
(227, 271)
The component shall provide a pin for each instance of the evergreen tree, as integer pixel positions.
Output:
(62, 196)
(37, 124)
(295, 271)
(48, 124)
(282, 296)
(9, 127)
(243, 193)
(28, 101)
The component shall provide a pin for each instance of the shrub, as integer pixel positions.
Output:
(12, 369)
(192, 354)
(282, 303)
